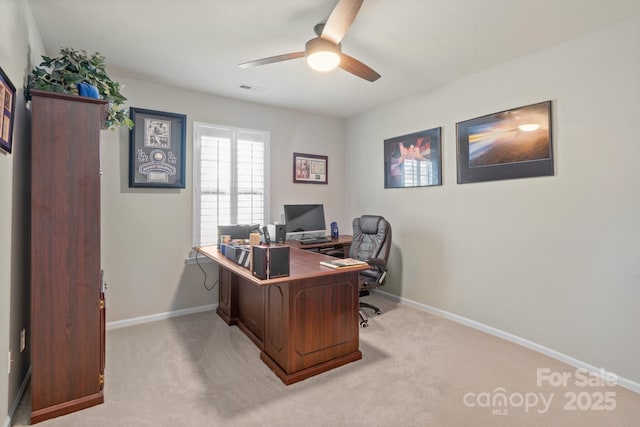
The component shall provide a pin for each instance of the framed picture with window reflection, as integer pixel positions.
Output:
(413, 160)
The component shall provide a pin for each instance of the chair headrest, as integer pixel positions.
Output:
(369, 223)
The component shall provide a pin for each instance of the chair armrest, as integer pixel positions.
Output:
(379, 266)
(376, 261)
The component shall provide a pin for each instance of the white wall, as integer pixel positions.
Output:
(20, 47)
(553, 260)
(147, 233)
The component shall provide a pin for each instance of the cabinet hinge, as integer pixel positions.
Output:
(101, 378)
(101, 304)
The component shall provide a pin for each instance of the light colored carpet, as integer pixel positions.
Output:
(417, 370)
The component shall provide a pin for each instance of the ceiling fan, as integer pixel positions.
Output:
(324, 52)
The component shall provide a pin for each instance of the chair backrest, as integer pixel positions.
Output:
(371, 238)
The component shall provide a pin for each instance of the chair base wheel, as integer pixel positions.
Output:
(375, 309)
(364, 320)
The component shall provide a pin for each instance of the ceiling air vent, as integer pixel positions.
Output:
(250, 87)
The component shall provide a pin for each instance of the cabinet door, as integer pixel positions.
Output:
(66, 318)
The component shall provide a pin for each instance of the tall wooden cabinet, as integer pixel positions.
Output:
(67, 300)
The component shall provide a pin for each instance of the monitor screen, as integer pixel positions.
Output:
(304, 218)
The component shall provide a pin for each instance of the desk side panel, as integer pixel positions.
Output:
(227, 296)
(251, 310)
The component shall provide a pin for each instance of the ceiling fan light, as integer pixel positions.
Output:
(323, 61)
(322, 55)
(529, 127)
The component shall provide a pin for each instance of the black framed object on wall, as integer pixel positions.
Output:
(310, 168)
(413, 160)
(510, 144)
(157, 149)
(7, 110)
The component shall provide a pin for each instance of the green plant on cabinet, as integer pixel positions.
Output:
(62, 74)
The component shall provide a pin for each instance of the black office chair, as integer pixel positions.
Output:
(371, 243)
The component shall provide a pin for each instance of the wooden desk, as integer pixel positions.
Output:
(342, 243)
(304, 324)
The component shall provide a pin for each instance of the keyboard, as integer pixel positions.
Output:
(315, 240)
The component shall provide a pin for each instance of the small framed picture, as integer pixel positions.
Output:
(310, 168)
(413, 160)
(157, 146)
(7, 106)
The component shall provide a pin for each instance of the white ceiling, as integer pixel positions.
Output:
(415, 45)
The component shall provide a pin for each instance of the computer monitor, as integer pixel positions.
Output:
(304, 221)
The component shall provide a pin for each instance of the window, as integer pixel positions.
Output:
(230, 179)
(419, 173)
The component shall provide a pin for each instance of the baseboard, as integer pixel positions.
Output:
(18, 399)
(621, 381)
(159, 316)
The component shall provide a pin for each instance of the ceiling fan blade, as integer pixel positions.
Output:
(357, 68)
(340, 20)
(272, 59)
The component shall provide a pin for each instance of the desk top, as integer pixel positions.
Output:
(302, 265)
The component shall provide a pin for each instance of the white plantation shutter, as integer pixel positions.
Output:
(250, 175)
(229, 179)
(418, 172)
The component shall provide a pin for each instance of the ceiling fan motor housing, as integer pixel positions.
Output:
(322, 54)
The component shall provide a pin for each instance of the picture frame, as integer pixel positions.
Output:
(310, 169)
(510, 144)
(8, 107)
(157, 149)
(413, 160)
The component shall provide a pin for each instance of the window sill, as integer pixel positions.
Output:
(191, 258)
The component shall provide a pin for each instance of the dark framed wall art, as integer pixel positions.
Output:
(413, 160)
(157, 145)
(310, 168)
(8, 106)
(515, 143)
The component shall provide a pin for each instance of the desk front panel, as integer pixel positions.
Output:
(309, 322)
